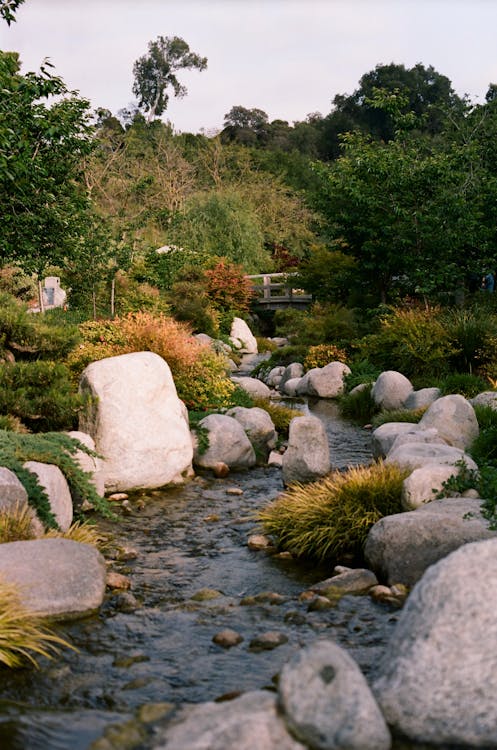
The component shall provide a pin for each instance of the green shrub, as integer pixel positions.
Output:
(363, 371)
(331, 518)
(280, 414)
(39, 394)
(398, 415)
(486, 416)
(473, 335)
(358, 406)
(322, 354)
(484, 448)
(464, 383)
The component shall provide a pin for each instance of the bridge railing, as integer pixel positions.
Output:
(277, 290)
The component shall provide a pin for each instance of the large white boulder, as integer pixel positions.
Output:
(254, 387)
(454, 418)
(438, 678)
(391, 389)
(90, 464)
(53, 481)
(291, 387)
(384, 436)
(56, 578)
(14, 500)
(327, 702)
(307, 457)
(414, 455)
(423, 484)
(292, 371)
(399, 548)
(227, 443)
(487, 398)
(242, 337)
(328, 381)
(137, 421)
(258, 426)
(422, 398)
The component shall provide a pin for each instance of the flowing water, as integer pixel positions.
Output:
(159, 649)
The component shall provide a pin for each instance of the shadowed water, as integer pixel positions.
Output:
(188, 539)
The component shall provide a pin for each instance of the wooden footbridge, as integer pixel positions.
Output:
(275, 290)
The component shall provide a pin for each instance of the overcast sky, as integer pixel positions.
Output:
(286, 57)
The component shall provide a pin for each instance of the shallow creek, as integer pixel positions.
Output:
(188, 539)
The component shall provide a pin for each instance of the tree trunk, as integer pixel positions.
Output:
(40, 297)
(94, 302)
(112, 297)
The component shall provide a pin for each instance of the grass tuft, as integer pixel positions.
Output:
(331, 518)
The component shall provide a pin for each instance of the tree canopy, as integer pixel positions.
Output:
(155, 73)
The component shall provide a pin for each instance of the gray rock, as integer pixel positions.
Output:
(351, 581)
(455, 420)
(327, 702)
(384, 436)
(308, 454)
(253, 386)
(487, 398)
(438, 679)
(415, 455)
(12, 492)
(290, 387)
(328, 381)
(391, 390)
(421, 486)
(242, 337)
(429, 435)
(228, 444)
(294, 370)
(258, 426)
(268, 641)
(90, 464)
(423, 397)
(250, 722)
(55, 485)
(137, 421)
(274, 376)
(399, 548)
(56, 578)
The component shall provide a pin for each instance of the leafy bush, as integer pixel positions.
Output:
(473, 335)
(265, 345)
(412, 341)
(331, 518)
(464, 383)
(322, 354)
(363, 371)
(280, 414)
(358, 406)
(40, 395)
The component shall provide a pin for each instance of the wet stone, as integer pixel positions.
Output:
(117, 580)
(259, 542)
(205, 595)
(151, 712)
(125, 602)
(320, 603)
(227, 638)
(268, 641)
(234, 491)
(127, 661)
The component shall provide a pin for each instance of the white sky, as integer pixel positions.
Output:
(287, 57)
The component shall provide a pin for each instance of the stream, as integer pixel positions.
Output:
(153, 645)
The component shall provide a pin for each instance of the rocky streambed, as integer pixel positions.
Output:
(192, 576)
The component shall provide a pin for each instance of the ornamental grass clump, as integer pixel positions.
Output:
(398, 415)
(331, 518)
(22, 636)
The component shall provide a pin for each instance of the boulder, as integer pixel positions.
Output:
(227, 443)
(352, 581)
(56, 578)
(391, 389)
(307, 457)
(137, 421)
(422, 398)
(415, 455)
(384, 436)
(328, 381)
(290, 387)
(455, 420)
(487, 398)
(90, 464)
(437, 681)
(250, 722)
(327, 702)
(430, 436)
(12, 492)
(294, 370)
(253, 387)
(258, 426)
(274, 376)
(422, 485)
(242, 337)
(399, 548)
(55, 485)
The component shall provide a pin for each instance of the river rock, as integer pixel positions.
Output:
(90, 464)
(415, 455)
(242, 337)
(250, 722)
(291, 372)
(307, 457)
(55, 485)
(438, 679)
(227, 638)
(391, 389)
(137, 421)
(487, 398)
(14, 500)
(422, 398)
(328, 381)
(399, 548)
(351, 581)
(227, 443)
(290, 387)
(384, 436)
(254, 387)
(56, 578)
(274, 376)
(258, 426)
(454, 418)
(327, 702)
(423, 484)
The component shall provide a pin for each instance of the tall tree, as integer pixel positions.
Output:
(155, 73)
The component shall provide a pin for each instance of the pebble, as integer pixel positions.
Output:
(259, 541)
(227, 638)
(268, 641)
(127, 553)
(204, 595)
(126, 602)
(234, 491)
(220, 469)
(150, 712)
(213, 518)
(117, 580)
(319, 603)
(118, 496)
